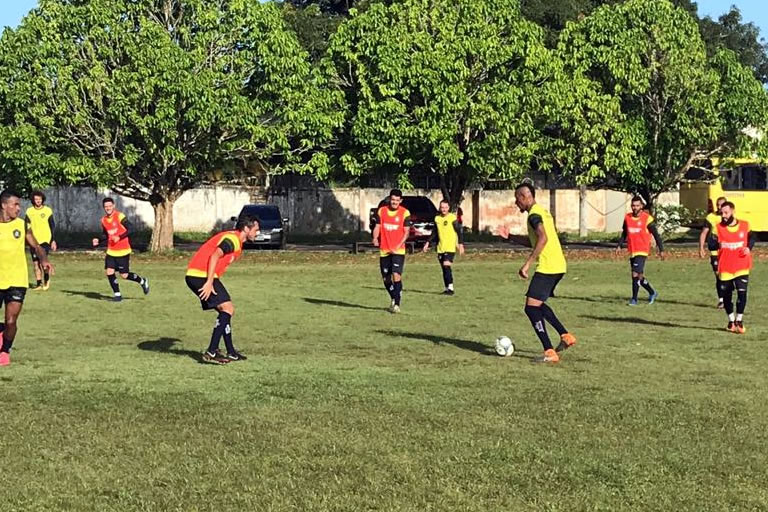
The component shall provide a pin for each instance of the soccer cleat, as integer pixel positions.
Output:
(653, 297)
(47, 285)
(740, 329)
(448, 291)
(37, 288)
(5, 358)
(236, 356)
(549, 356)
(117, 298)
(394, 309)
(632, 302)
(145, 286)
(731, 327)
(215, 358)
(567, 340)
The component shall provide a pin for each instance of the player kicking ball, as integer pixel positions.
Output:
(204, 272)
(449, 237)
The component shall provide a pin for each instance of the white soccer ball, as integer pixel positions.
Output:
(504, 346)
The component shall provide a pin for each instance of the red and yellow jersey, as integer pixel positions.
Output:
(638, 235)
(198, 265)
(113, 225)
(732, 262)
(393, 230)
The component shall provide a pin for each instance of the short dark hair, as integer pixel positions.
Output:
(107, 200)
(729, 205)
(37, 193)
(527, 185)
(6, 194)
(721, 198)
(247, 220)
(637, 199)
(396, 192)
(445, 201)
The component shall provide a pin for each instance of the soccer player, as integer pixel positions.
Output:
(13, 268)
(550, 269)
(638, 226)
(39, 220)
(117, 231)
(734, 261)
(448, 236)
(204, 272)
(393, 222)
(708, 236)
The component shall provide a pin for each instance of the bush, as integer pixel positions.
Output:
(671, 217)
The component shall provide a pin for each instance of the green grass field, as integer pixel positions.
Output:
(343, 406)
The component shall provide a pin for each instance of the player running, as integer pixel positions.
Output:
(39, 220)
(393, 222)
(638, 226)
(708, 236)
(550, 269)
(449, 236)
(13, 268)
(734, 261)
(117, 232)
(204, 272)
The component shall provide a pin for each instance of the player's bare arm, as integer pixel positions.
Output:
(702, 241)
(541, 242)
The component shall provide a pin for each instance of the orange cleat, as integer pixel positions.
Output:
(550, 356)
(567, 340)
(740, 329)
(5, 358)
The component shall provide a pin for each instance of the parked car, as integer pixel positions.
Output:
(273, 226)
(423, 214)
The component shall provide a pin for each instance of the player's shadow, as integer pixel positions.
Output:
(92, 295)
(339, 303)
(404, 291)
(643, 321)
(602, 299)
(165, 346)
(472, 346)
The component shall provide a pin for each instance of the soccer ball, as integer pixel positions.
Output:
(504, 346)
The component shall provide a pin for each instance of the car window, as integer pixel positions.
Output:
(263, 212)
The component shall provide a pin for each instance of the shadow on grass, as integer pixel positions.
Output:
(620, 298)
(326, 302)
(404, 290)
(473, 346)
(92, 295)
(165, 346)
(643, 321)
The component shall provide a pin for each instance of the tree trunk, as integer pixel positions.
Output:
(583, 211)
(162, 234)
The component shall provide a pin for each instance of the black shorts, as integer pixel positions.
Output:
(392, 264)
(442, 257)
(121, 264)
(220, 297)
(738, 283)
(12, 294)
(543, 285)
(46, 247)
(638, 263)
(713, 263)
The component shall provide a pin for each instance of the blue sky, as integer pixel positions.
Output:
(11, 11)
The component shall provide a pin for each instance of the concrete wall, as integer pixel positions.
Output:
(78, 209)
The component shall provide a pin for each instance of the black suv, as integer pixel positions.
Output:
(423, 214)
(273, 226)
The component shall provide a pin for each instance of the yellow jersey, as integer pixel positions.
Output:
(551, 259)
(39, 220)
(13, 260)
(447, 238)
(713, 220)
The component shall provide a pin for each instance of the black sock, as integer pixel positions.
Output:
(113, 283)
(228, 333)
(550, 317)
(397, 292)
(46, 277)
(635, 288)
(447, 276)
(645, 284)
(39, 282)
(390, 289)
(536, 316)
(222, 321)
(136, 278)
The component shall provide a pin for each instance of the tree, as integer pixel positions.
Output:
(730, 32)
(676, 106)
(150, 96)
(456, 88)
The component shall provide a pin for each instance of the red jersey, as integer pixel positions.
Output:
(638, 236)
(198, 265)
(393, 229)
(113, 225)
(731, 260)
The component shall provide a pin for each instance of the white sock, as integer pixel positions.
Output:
(731, 317)
(450, 286)
(739, 317)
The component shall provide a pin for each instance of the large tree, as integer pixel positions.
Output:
(676, 105)
(150, 96)
(457, 88)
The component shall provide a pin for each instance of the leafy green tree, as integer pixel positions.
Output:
(676, 106)
(729, 31)
(150, 96)
(458, 88)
